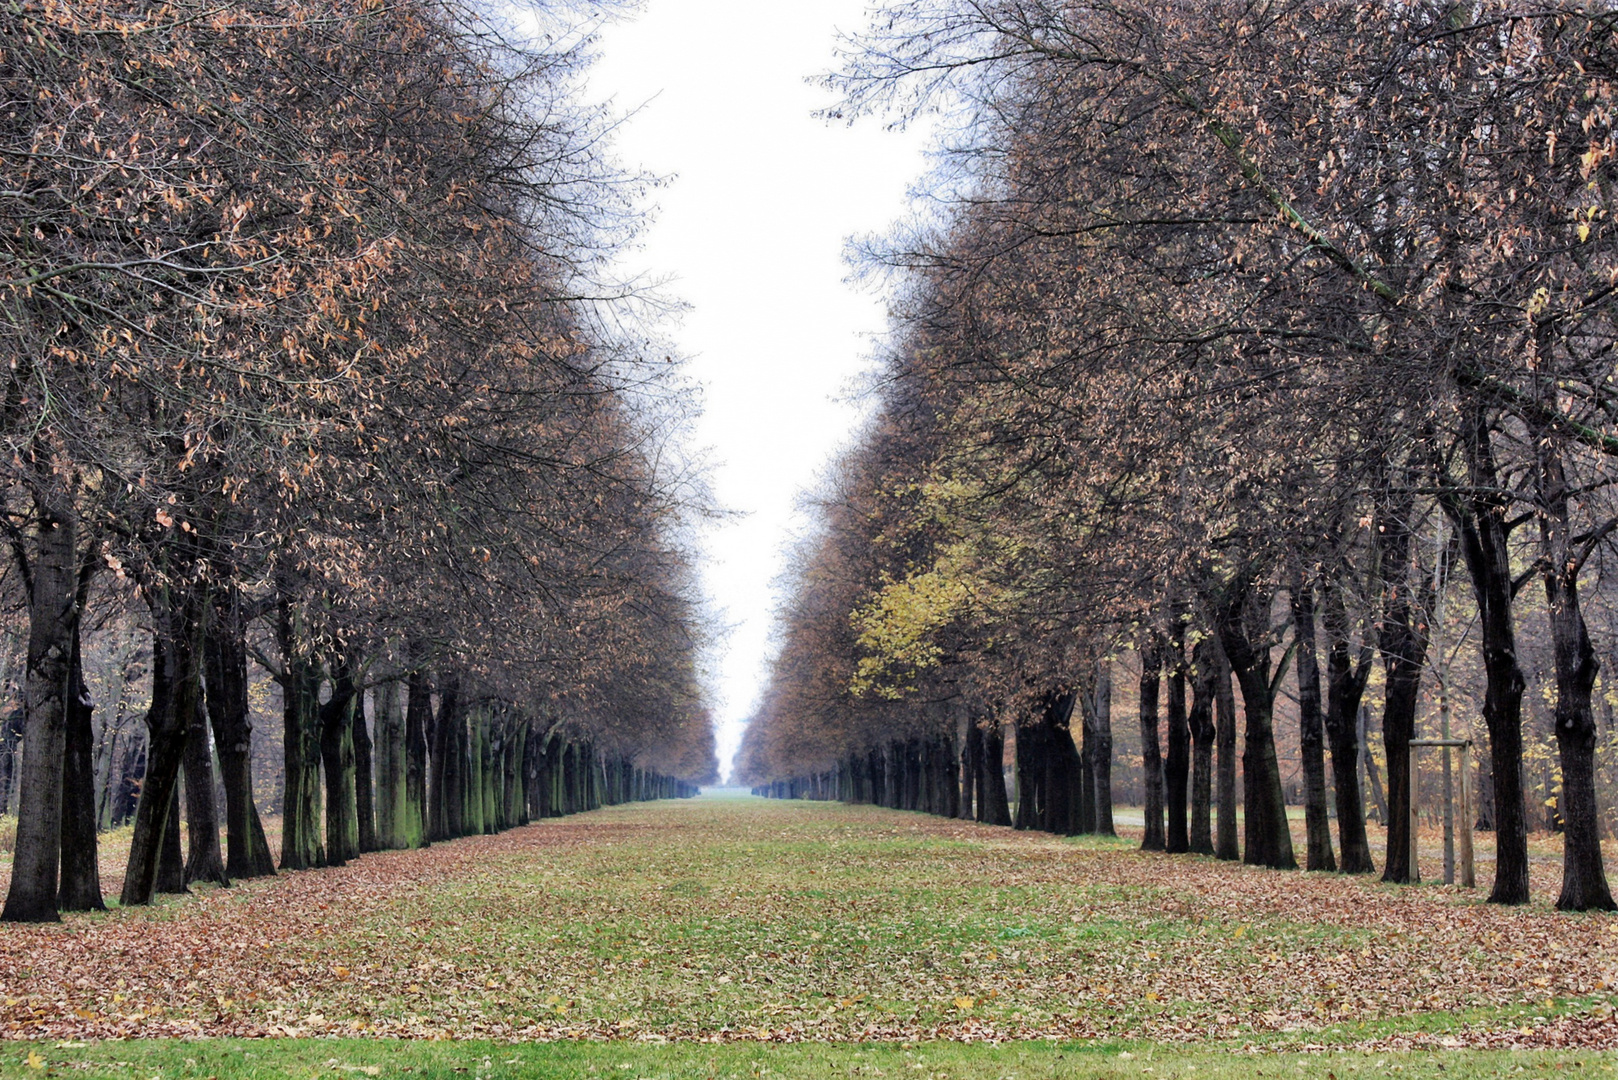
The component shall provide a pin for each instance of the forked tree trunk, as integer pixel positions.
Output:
(247, 850)
(1243, 628)
(1311, 733)
(176, 690)
(1584, 877)
(1480, 518)
(52, 616)
(1151, 677)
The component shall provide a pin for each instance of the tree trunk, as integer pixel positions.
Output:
(1052, 767)
(1098, 746)
(1403, 642)
(418, 720)
(1485, 786)
(972, 760)
(1151, 677)
(81, 872)
(247, 850)
(204, 862)
(170, 861)
(1311, 734)
(52, 616)
(997, 806)
(176, 687)
(1345, 686)
(1584, 877)
(1480, 517)
(390, 766)
(1243, 629)
(337, 760)
(1204, 683)
(1177, 766)
(443, 795)
(1225, 844)
(302, 811)
(364, 775)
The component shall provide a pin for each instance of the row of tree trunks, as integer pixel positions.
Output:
(1050, 771)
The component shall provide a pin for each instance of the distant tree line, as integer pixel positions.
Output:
(1269, 344)
(315, 366)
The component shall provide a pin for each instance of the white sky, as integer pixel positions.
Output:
(752, 231)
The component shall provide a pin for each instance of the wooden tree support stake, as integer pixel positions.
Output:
(1464, 838)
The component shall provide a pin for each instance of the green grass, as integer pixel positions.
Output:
(729, 926)
(307, 1058)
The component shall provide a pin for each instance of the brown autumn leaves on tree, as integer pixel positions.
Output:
(1236, 338)
(303, 362)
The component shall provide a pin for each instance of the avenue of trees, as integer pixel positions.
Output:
(315, 370)
(1253, 352)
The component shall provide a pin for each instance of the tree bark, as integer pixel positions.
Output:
(1311, 733)
(1151, 677)
(997, 805)
(1177, 765)
(390, 765)
(972, 759)
(364, 778)
(205, 861)
(337, 761)
(52, 616)
(301, 805)
(1243, 628)
(247, 850)
(418, 720)
(1204, 683)
(1584, 877)
(1345, 686)
(448, 764)
(1480, 518)
(81, 872)
(1225, 843)
(1098, 746)
(1403, 643)
(170, 860)
(176, 686)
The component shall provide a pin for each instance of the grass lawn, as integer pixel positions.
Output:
(727, 927)
(308, 1058)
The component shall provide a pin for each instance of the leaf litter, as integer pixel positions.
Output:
(729, 920)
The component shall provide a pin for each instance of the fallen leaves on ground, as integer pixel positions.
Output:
(745, 919)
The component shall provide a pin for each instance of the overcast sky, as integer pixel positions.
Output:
(752, 232)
